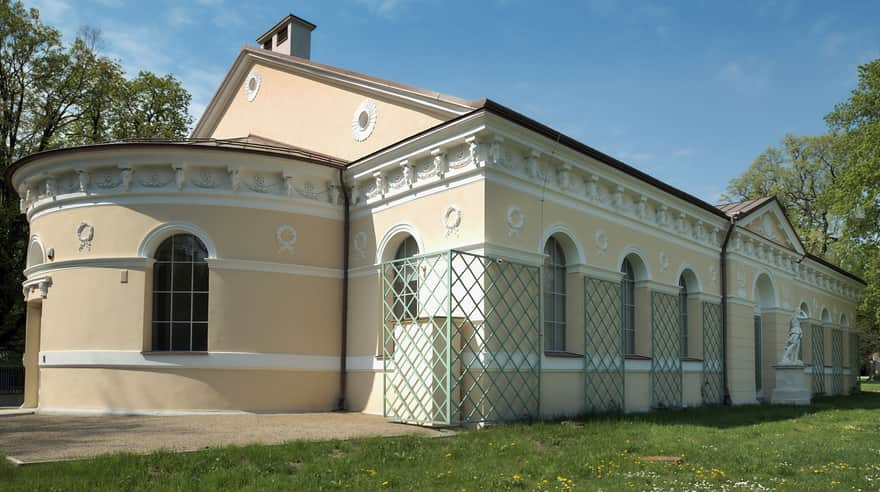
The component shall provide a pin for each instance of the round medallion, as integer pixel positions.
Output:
(85, 232)
(515, 220)
(364, 120)
(452, 219)
(252, 85)
(285, 235)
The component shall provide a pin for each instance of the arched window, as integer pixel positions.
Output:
(35, 254)
(554, 296)
(180, 295)
(406, 281)
(683, 313)
(629, 308)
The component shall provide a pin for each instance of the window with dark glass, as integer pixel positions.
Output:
(554, 296)
(406, 283)
(629, 308)
(683, 314)
(180, 295)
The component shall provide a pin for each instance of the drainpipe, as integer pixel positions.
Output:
(346, 231)
(727, 236)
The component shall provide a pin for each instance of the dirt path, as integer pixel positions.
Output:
(35, 438)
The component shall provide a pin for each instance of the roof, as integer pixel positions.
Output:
(285, 20)
(744, 207)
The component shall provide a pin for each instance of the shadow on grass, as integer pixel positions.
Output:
(746, 415)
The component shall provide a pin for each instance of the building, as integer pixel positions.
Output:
(328, 239)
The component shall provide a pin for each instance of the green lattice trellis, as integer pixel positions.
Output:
(713, 355)
(603, 346)
(461, 339)
(666, 383)
(836, 362)
(818, 352)
(855, 362)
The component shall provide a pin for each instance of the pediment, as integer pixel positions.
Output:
(769, 221)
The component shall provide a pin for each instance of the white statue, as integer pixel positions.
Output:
(793, 344)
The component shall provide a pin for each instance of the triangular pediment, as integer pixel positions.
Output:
(769, 221)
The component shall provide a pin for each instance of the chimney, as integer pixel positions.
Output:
(291, 36)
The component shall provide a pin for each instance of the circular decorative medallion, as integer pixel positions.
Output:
(515, 220)
(601, 242)
(452, 219)
(252, 85)
(364, 120)
(286, 237)
(85, 232)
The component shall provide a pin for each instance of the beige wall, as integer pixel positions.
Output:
(187, 389)
(31, 355)
(318, 118)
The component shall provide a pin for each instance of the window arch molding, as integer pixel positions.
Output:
(160, 233)
(825, 315)
(573, 249)
(844, 321)
(392, 240)
(764, 291)
(694, 284)
(641, 268)
(36, 252)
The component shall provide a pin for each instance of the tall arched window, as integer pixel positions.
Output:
(629, 308)
(406, 282)
(683, 313)
(554, 296)
(180, 295)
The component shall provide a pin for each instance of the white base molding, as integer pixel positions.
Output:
(791, 386)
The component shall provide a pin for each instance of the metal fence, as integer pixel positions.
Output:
(837, 362)
(461, 339)
(11, 380)
(713, 355)
(603, 346)
(666, 367)
(818, 352)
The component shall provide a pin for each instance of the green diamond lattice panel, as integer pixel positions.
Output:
(496, 328)
(713, 355)
(461, 339)
(837, 362)
(665, 351)
(603, 346)
(855, 364)
(818, 352)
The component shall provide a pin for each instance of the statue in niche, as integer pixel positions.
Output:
(793, 344)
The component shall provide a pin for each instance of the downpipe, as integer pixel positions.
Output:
(343, 351)
(727, 236)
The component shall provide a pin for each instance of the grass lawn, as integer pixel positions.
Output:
(832, 445)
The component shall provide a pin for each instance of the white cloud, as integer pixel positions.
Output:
(180, 16)
(383, 8)
(750, 75)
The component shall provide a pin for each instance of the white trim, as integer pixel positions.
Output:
(35, 240)
(705, 297)
(154, 238)
(243, 200)
(175, 360)
(635, 250)
(776, 211)
(740, 301)
(655, 286)
(570, 240)
(274, 267)
(686, 266)
(776, 300)
(130, 263)
(391, 233)
(363, 271)
(598, 273)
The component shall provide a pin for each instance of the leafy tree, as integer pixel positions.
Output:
(53, 96)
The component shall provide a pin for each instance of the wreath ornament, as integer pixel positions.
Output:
(285, 235)
(85, 232)
(452, 220)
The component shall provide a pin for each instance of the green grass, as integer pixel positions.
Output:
(832, 445)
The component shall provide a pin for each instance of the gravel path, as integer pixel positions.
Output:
(37, 438)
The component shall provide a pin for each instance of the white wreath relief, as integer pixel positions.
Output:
(515, 221)
(664, 261)
(601, 242)
(286, 237)
(452, 220)
(85, 232)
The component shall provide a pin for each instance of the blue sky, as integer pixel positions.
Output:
(689, 92)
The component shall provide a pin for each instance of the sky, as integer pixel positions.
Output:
(690, 92)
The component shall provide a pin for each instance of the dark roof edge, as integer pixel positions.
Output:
(271, 31)
(220, 145)
(836, 268)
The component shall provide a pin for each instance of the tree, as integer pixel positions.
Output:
(802, 172)
(53, 96)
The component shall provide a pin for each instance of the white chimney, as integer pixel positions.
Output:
(292, 35)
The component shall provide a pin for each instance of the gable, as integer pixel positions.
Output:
(769, 221)
(298, 103)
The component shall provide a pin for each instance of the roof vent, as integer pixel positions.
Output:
(292, 35)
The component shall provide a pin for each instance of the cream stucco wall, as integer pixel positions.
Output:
(319, 117)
